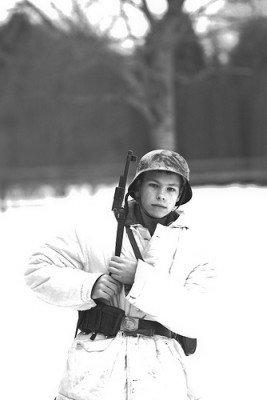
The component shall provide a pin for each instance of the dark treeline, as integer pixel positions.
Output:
(62, 104)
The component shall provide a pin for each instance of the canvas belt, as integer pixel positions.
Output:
(134, 326)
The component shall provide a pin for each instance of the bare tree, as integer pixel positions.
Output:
(153, 72)
(170, 53)
(158, 60)
(167, 52)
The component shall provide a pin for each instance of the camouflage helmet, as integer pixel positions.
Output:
(164, 160)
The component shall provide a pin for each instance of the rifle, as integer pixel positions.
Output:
(120, 210)
(92, 320)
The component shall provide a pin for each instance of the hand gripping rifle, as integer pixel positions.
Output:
(120, 210)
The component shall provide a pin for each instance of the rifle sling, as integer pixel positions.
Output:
(135, 247)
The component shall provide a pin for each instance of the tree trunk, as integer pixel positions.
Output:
(159, 63)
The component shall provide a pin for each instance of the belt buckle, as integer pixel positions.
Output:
(129, 324)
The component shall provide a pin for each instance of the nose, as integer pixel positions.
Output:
(161, 195)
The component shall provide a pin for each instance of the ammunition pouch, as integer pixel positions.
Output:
(102, 318)
(189, 345)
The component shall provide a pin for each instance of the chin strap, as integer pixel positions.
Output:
(181, 197)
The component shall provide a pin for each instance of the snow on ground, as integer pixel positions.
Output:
(230, 361)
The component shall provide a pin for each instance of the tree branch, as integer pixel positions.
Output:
(145, 9)
(25, 4)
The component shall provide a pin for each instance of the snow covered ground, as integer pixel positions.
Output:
(230, 362)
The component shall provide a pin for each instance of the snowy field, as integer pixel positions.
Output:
(230, 361)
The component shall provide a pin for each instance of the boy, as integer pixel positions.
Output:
(157, 281)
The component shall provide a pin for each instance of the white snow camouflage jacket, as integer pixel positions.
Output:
(169, 287)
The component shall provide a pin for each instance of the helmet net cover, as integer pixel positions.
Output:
(164, 160)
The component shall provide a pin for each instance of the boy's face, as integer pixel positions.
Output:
(159, 192)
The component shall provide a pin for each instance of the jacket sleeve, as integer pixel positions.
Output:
(58, 273)
(177, 303)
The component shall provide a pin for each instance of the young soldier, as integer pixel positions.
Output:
(133, 348)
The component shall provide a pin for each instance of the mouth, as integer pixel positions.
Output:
(159, 206)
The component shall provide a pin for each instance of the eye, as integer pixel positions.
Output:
(153, 185)
(172, 189)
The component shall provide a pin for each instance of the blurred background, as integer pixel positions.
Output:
(82, 82)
